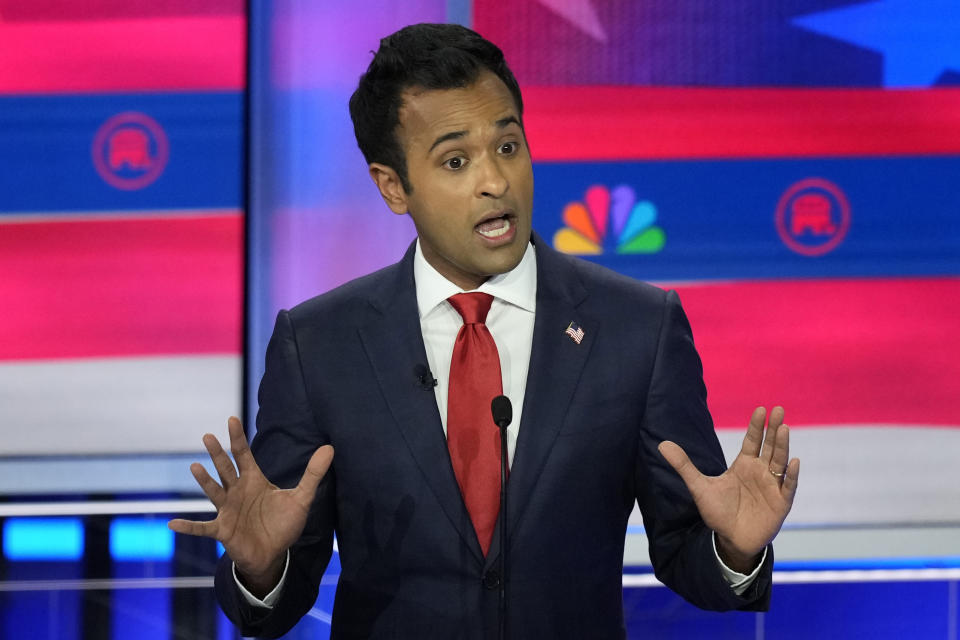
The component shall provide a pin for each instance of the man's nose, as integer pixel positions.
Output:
(492, 180)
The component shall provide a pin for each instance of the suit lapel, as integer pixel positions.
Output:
(393, 342)
(556, 362)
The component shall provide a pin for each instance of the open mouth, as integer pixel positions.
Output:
(495, 227)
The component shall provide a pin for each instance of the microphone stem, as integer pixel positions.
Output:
(503, 530)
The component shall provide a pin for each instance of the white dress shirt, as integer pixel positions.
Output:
(510, 321)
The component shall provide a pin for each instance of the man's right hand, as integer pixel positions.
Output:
(256, 522)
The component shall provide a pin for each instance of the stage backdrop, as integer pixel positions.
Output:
(121, 240)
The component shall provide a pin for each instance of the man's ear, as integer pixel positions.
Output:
(390, 186)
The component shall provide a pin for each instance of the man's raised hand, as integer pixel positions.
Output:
(256, 521)
(747, 504)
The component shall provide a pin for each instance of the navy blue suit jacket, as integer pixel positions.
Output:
(341, 369)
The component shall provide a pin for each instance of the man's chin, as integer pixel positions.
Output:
(508, 260)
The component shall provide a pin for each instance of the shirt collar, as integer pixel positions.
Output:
(517, 286)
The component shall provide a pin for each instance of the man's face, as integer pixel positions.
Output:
(472, 182)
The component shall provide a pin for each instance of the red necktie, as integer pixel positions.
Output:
(472, 436)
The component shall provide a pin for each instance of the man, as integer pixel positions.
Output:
(606, 387)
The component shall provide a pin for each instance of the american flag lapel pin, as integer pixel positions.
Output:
(575, 332)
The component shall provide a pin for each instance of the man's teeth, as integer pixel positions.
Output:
(495, 232)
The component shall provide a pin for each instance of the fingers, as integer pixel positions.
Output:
(210, 487)
(239, 445)
(754, 437)
(790, 481)
(678, 459)
(221, 461)
(206, 529)
(781, 448)
(765, 446)
(316, 468)
(770, 441)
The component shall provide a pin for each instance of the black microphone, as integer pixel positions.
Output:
(502, 412)
(424, 378)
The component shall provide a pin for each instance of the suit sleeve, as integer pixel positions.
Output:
(681, 547)
(287, 435)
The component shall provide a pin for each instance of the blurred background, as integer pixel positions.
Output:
(174, 172)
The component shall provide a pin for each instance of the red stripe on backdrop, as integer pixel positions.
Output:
(50, 10)
(622, 123)
(159, 53)
(830, 351)
(121, 287)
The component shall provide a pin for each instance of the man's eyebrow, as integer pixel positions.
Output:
(503, 122)
(456, 135)
(453, 135)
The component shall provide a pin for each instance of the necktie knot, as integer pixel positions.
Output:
(472, 307)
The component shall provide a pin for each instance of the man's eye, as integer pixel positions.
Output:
(508, 148)
(455, 163)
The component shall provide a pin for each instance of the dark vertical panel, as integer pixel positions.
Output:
(95, 610)
(194, 611)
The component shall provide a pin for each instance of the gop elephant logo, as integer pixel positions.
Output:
(130, 150)
(813, 217)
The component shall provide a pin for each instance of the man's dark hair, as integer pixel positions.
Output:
(428, 56)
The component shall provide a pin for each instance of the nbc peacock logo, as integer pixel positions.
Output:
(610, 221)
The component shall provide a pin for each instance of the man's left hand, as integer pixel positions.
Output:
(747, 504)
